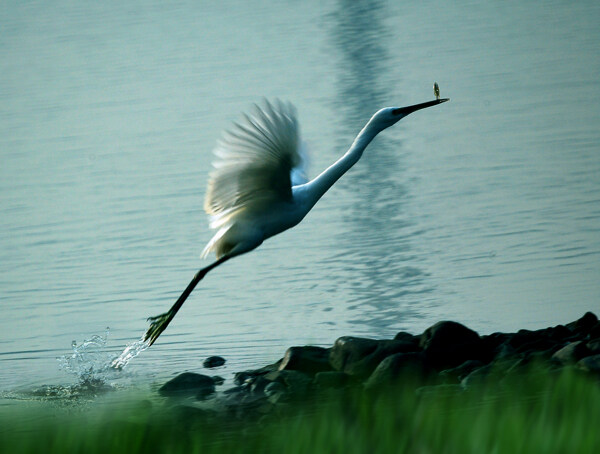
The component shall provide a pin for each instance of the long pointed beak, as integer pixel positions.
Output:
(410, 109)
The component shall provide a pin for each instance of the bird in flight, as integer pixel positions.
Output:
(258, 187)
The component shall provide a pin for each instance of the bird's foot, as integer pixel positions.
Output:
(157, 325)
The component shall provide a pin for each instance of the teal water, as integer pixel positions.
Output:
(484, 210)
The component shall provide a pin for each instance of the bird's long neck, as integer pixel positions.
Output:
(319, 186)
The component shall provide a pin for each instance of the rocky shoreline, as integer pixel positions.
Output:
(446, 357)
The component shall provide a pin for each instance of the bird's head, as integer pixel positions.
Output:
(388, 116)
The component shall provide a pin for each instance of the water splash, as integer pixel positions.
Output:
(93, 364)
(90, 363)
(97, 369)
(132, 350)
(89, 360)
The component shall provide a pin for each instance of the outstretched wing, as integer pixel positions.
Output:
(255, 162)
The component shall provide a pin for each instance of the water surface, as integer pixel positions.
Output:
(484, 210)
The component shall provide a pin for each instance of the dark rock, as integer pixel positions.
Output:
(526, 373)
(296, 383)
(332, 380)
(595, 331)
(584, 325)
(456, 374)
(274, 387)
(258, 384)
(571, 353)
(188, 384)
(405, 368)
(534, 366)
(522, 365)
(243, 406)
(234, 390)
(524, 337)
(239, 378)
(478, 377)
(506, 351)
(232, 398)
(348, 350)
(213, 361)
(217, 380)
(594, 346)
(540, 344)
(275, 391)
(205, 392)
(541, 357)
(559, 333)
(306, 359)
(251, 405)
(407, 337)
(493, 342)
(525, 341)
(590, 364)
(448, 344)
(258, 408)
(359, 356)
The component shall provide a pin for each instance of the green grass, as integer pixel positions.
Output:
(532, 413)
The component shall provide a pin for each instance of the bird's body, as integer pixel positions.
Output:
(259, 188)
(250, 195)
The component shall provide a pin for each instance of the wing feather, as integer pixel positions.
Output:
(254, 163)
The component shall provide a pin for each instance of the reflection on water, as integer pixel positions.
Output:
(361, 37)
(377, 266)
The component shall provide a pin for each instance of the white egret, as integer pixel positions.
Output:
(258, 187)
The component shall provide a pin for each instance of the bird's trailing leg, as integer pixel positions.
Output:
(159, 323)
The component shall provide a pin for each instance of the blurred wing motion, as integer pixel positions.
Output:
(257, 163)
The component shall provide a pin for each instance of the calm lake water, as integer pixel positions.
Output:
(484, 210)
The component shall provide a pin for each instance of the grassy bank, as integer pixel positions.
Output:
(531, 413)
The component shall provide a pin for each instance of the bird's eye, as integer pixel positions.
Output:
(396, 111)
